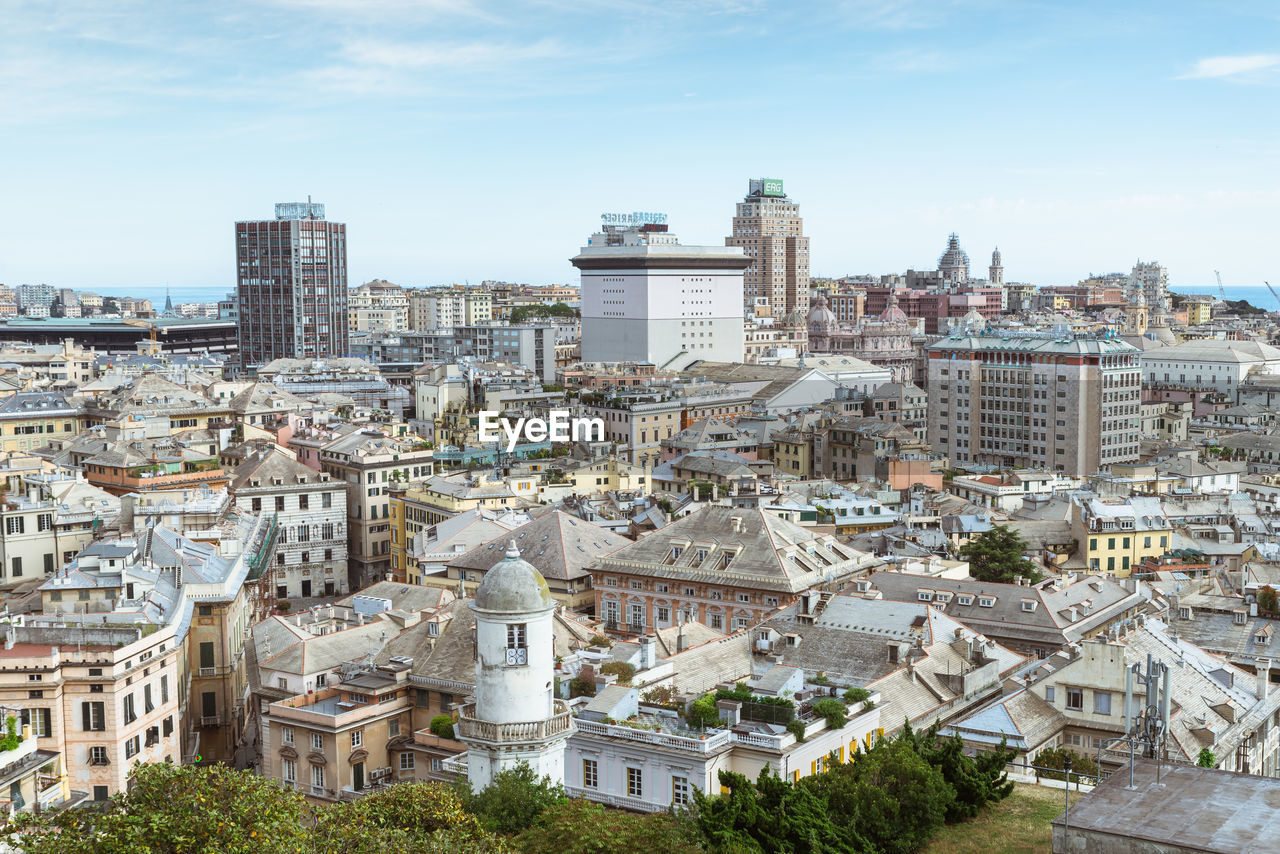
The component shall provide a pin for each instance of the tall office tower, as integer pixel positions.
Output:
(646, 298)
(291, 285)
(1152, 279)
(769, 230)
(1035, 400)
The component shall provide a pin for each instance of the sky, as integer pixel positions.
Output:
(463, 140)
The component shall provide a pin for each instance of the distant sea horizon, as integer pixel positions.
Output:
(156, 293)
(1259, 296)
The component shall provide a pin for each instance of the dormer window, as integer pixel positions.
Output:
(1241, 618)
(986, 601)
(924, 595)
(964, 599)
(517, 644)
(1029, 605)
(941, 598)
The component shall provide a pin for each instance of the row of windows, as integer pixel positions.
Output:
(304, 502)
(18, 524)
(680, 791)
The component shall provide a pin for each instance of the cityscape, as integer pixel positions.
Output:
(713, 526)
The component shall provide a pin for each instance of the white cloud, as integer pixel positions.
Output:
(465, 56)
(893, 14)
(1231, 66)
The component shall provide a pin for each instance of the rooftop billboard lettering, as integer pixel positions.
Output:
(634, 219)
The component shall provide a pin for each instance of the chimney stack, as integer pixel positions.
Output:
(648, 652)
(729, 711)
(1264, 678)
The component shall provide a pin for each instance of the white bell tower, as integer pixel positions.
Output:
(515, 716)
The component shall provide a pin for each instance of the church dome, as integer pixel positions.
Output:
(793, 318)
(954, 258)
(973, 318)
(513, 585)
(821, 317)
(891, 313)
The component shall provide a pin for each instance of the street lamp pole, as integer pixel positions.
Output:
(1066, 800)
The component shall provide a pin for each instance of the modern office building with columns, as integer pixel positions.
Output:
(647, 298)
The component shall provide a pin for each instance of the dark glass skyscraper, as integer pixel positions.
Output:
(291, 285)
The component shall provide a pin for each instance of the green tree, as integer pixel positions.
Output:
(173, 809)
(577, 826)
(624, 671)
(662, 695)
(996, 556)
(110, 306)
(407, 818)
(1083, 769)
(856, 695)
(771, 815)
(1267, 603)
(1206, 759)
(703, 712)
(890, 796)
(514, 800)
(836, 712)
(442, 726)
(977, 780)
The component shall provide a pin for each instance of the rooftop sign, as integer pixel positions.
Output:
(634, 219)
(766, 187)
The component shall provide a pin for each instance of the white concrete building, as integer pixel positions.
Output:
(646, 298)
(1208, 364)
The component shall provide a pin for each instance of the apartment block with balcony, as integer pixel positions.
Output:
(34, 777)
(370, 462)
(96, 699)
(342, 742)
(311, 511)
(143, 465)
(205, 590)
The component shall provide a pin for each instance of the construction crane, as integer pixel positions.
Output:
(1273, 292)
(152, 347)
(145, 324)
(1221, 289)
